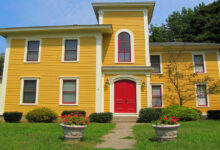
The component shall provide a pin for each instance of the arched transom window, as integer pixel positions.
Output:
(124, 47)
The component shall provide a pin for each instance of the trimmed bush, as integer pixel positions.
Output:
(42, 114)
(182, 112)
(12, 116)
(213, 114)
(101, 117)
(149, 115)
(66, 112)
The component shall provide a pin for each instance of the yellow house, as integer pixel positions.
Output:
(108, 67)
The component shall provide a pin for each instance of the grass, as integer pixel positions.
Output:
(192, 135)
(47, 136)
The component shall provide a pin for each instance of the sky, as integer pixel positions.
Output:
(22, 13)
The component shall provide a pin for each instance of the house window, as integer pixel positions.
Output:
(155, 63)
(29, 91)
(33, 50)
(201, 95)
(156, 96)
(199, 64)
(70, 53)
(124, 47)
(69, 90)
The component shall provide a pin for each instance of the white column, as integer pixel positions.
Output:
(218, 56)
(103, 91)
(98, 73)
(112, 93)
(146, 38)
(4, 77)
(149, 94)
(101, 13)
(138, 94)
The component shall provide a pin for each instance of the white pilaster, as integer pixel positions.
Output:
(98, 73)
(149, 94)
(4, 77)
(101, 13)
(146, 38)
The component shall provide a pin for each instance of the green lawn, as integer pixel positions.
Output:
(47, 136)
(192, 135)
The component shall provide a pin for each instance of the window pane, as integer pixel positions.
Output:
(70, 55)
(155, 59)
(71, 45)
(202, 101)
(121, 37)
(156, 90)
(156, 101)
(198, 59)
(69, 85)
(127, 56)
(33, 45)
(69, 97)
(121, 57)
(156, 68)
(121, 47)
(32, 56)
(126, 37)
(199, 68)
(127, 47)
(29, 97)
(30, 85)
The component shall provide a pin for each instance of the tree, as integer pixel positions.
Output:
(201, 24)
(2, 56)
(181, 79)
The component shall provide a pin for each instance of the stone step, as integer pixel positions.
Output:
(124, 119)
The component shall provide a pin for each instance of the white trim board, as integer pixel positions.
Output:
(5, 77)
(132, 45)
(22, 90)
(218, 58)
(61, 90)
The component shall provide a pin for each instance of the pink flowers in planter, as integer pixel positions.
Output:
(168, 120)
(75, 119)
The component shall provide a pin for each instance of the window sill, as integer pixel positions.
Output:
(124, 62)
(202, 106)
(28, 104)
(157, 73)
(69, 61)
(68, 104)
(31, 62)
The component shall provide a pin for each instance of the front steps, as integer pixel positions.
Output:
(124, 119)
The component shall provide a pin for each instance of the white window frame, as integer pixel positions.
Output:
(204, 61)
(132, 46)
(61, 90)
(22, 90)
(63, 49)
(26, 50)
(161, 66)
(207, 94)
(162, 94)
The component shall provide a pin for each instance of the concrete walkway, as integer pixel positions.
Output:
(118, 138)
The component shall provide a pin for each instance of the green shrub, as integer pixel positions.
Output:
(42, 114)
(149, 114)
(101, 117)
(66, 112)
(181, 112)
(213, 114)
(12, 116)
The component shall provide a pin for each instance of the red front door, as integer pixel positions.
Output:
(125, 96)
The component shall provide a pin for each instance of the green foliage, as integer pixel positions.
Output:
(1, 63)
(12, 116)
(101, 117)
(66, 112)
(213, 114)
(42, 114)
(181, 112)
(149, 114)
(75, 119)
(201, 24)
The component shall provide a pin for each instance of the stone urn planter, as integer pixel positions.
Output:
(166, 132)
(73, 132)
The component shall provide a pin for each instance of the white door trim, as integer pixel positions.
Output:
(112, 91)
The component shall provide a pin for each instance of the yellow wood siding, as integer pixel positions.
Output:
(184, 61)
(107, 92)
(49, 70)
(133, 21)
